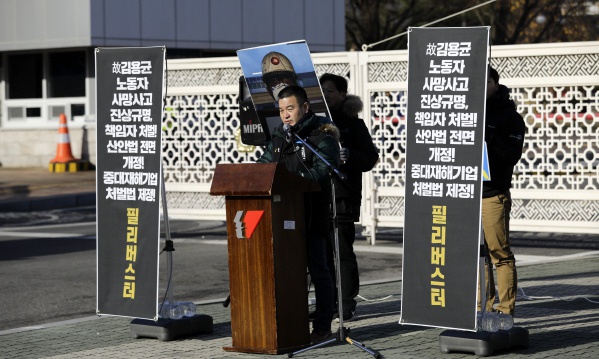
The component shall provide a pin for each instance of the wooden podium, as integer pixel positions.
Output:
(267, 256)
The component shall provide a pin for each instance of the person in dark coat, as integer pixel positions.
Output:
(358, 155)
(322, 135)
(504, 136)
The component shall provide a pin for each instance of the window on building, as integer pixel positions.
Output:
(66, 74)
(40, 86)
(25, 75)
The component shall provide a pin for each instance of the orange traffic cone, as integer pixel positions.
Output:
(63, 150)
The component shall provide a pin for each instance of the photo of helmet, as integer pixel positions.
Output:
(277, 73)
(267, 70)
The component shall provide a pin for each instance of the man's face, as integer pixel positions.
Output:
(291, 111)
(492, 86)
(333, 97)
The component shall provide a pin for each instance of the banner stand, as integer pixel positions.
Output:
(482, 343)
(166, 329)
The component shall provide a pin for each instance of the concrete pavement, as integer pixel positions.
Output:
(23, 189)
(558, 303)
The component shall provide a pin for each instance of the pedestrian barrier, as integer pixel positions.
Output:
(554, 86)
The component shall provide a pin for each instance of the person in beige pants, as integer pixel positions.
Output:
(504, 136)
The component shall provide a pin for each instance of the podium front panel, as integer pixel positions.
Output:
(267, 273)
(251, 276)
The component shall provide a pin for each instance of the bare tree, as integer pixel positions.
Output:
(511, 21)
(368, 21)
(534, 21)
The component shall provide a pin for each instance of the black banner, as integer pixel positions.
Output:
(129, 85)
(447, 75)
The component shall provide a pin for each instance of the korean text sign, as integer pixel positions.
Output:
(447, 74)
(128, 178)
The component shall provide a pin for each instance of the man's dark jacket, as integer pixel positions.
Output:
(363, 155)
(322, 135)
(504, 135)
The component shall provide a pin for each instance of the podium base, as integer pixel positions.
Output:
(482, 343)
(169, 329)
(264, 350)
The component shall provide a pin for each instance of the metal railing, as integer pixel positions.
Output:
(556, 88)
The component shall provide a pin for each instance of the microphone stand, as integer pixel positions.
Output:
(342, 332)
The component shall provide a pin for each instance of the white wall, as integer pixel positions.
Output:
(44, 24)
(218, 24)
(35, 148)
(196, 24)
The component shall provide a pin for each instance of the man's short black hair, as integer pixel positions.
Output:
(296, 91)
(339, 81)
(494, 74)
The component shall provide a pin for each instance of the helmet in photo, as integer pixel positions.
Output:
(276, 64)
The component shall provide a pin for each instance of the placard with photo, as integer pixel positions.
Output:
(268, 69)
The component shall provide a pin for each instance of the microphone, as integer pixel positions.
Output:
(288, 134)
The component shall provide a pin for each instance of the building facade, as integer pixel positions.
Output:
(47, 54)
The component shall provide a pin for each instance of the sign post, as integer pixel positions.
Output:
(129, 114)
(447, 75)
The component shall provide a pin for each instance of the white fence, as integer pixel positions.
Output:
(556, 87)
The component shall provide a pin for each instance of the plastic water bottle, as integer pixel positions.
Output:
(162, 309)
(170, 311)
(175, 311)
(188, 308)
(506, 322)
(479, 321)
(490, 322)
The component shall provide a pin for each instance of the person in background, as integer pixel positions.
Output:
(504, 135)
(358, 154)
(322, 135)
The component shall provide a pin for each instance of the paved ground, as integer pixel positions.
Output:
(39, 189)
(558, 303)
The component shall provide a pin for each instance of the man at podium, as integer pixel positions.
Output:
(322, 135)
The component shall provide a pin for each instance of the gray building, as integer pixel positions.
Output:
(47, 61)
